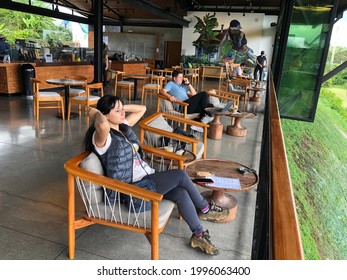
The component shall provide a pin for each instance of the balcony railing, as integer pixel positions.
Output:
(276, 233)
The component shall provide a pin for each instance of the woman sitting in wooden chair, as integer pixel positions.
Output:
(120, 153)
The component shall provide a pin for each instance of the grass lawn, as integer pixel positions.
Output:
(340, 92)
(317, 156)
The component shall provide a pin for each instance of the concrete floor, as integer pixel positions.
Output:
(33, 203)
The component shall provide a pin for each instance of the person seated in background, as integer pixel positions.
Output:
(181, 89)
(238, 71)
(4, 47)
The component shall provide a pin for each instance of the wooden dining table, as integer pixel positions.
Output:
(224, 169)
(236, 129)
(215, 130)
(256, 90)
(67, 83)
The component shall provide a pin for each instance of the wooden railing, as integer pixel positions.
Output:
(276, 230)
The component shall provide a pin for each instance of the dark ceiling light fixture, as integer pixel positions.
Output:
(250, 6)
(125, 10)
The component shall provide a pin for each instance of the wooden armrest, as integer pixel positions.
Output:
(177, 101)
(73, 169)
(162, 152)
(146, 121)
(224, 94)
(183, 120)
(171, 135)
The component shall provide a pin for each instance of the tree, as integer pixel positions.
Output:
(207, 40)
(18, 25)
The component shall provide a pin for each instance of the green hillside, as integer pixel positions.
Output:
(317, 156)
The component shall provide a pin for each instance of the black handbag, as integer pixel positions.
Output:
(139, 205)
(176, 144)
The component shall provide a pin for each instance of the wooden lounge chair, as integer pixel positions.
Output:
(85, 174)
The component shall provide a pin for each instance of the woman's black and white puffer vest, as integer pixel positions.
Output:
(118, 160)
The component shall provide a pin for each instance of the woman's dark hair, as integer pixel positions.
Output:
(242, 64)
(105, 105)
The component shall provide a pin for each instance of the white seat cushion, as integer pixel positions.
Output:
(83, 97)
(49, 94)
(92, 164)
(214, 100)
(151, 85)
(125, 83)
(76, 91)
(153, 139)
(238, 90)
(161, 123)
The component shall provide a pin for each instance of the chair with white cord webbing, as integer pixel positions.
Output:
(85, 174)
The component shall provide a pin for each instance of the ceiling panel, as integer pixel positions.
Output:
(165, 13)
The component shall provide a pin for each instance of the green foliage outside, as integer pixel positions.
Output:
(317, 157)
(207, 40)
(18, 25)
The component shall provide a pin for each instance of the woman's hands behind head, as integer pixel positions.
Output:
(134, 113)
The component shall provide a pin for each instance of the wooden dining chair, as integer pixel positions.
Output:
(193, 75)
(119, 82)
(239, 86)
(86, 100)
(76, 91)
(45, 99)
(153, 87)
(167, 75)
(155, 127)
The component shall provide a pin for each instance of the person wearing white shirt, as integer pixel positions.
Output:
(238, 70)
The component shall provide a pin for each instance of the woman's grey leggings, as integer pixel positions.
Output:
(176, 186)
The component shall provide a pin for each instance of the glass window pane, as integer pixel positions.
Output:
(300, 84)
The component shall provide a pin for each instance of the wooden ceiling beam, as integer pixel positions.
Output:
(155, 10)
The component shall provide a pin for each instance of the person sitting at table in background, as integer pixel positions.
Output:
(261, 64)
(4, 47)
(104, 62)
(238, 71)
(119, 149)
(181, 89)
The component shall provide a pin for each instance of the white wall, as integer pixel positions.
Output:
(256, 26)
(268, 38)
(164, 34)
